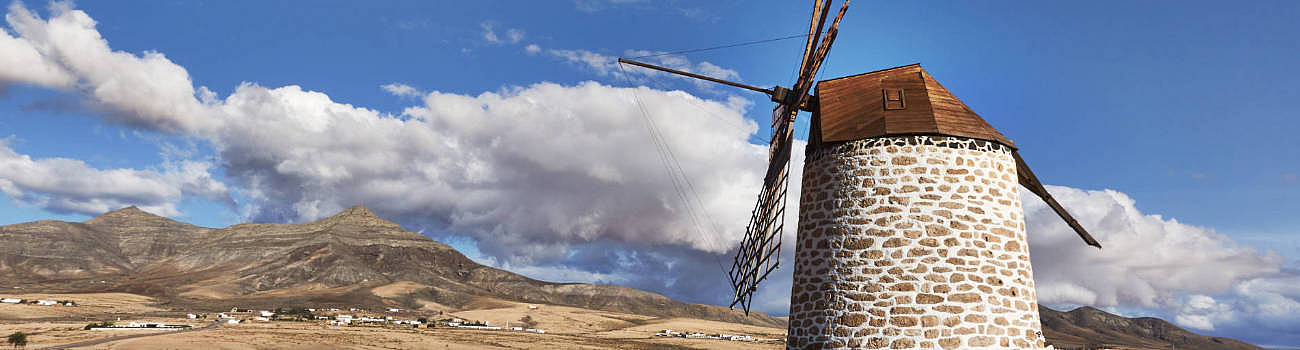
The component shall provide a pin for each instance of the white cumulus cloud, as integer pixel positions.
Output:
(401, 90)
(526, 166)
(66, 52)
(71, 186)
(1200, 278)
(1147, 259)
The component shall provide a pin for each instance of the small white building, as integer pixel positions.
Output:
(263, 319)
(668, 333)
(393, 309)
(191, 316)
(535, 330)
(224, 315)
(267, 314)
(46, 302)
(344, 318)
(232, 321)
(11, 301)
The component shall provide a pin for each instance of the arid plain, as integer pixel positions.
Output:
(566, 327)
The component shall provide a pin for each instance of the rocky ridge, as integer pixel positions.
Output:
(1087, 328)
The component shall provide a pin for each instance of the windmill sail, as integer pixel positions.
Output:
(760, 251)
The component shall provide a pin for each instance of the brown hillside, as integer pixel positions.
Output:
(340, 259)
(1087, 327)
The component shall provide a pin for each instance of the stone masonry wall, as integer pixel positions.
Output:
(912, 242)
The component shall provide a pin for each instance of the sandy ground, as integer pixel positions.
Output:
(692, 325)
(567, 328)
(557, 319)
(303, 335)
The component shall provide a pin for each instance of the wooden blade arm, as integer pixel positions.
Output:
(820, 8)
(696, 76)
(805, 81)
(1031, 182)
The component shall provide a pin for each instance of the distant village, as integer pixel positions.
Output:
(352, 317)
(37, 302)
(357, 317)
(698, 335)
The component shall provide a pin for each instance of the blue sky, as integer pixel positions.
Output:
(1179, 109)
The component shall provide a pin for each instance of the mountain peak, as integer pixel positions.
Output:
(124, 213)
(357, 215)
(130, 209)
(356, 210)
(133, 217)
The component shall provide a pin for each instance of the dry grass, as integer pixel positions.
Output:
(557, 319)
(88, 304)
(694, 325)
(567, 327)
(41, 333)
(393, 290)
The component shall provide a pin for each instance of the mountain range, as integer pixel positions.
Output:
(357, 258)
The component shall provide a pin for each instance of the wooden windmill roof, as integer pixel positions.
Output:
(896, 101)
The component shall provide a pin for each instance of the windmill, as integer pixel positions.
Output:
(911, 233)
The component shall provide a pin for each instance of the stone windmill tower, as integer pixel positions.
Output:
(911, 232)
